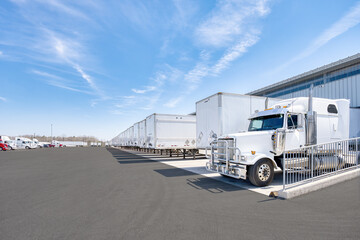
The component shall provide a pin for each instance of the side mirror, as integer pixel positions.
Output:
(278, 139)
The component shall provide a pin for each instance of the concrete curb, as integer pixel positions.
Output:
(319, 184)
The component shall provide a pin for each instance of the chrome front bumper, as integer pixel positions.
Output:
(235, 171)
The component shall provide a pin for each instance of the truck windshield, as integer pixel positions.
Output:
(271, 122)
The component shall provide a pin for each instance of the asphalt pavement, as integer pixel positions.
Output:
(99, 193)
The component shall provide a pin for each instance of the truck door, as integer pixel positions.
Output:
(295, 132)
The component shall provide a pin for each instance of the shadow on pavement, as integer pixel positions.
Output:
(199, 183)
(127, 158)
(211, 185)
(174, 172)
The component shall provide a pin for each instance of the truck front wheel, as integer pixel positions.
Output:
(261, 173)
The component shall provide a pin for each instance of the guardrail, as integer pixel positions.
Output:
(311, 162)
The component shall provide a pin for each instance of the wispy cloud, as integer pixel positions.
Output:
(348, 21)
(185, 11)
(151, 101)
(222, 37)
(69, 51)
(173, 102)
(194, 76)
(53, 33)
(116, 112)
(53, 5)
(232, 25)
(58, 6)
(145, 90)
(87, 78)
(49, 39)
(57, 81)
(235, 52)
(229, 21)
(3, 99)
(136, 12)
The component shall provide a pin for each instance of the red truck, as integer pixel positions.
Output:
(3, 146)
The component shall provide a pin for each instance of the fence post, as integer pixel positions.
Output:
(227, 156)
(312, 163)
(356, 152)
(336, 152)
(284, 168)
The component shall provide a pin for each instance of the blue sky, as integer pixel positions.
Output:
(93, 67)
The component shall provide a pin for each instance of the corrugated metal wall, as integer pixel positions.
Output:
(347, 87)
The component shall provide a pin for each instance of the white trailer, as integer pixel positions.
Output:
(167, 131)
(131, 136)
(224, 113)
(136, 134)
(289, 124)
(142, 133)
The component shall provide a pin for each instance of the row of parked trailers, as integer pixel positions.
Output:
(160, 131)
(216, 115)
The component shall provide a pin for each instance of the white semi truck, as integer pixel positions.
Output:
(11, 143)
(287, 125)
(23, 143)
(35, 143)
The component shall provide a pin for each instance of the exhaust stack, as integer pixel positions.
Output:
(311, 128)
(267, 103)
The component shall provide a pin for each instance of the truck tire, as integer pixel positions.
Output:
(261, 173)
(27, 147)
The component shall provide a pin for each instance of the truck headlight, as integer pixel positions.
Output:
(243, 158)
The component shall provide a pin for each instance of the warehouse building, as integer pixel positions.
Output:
(340, 79)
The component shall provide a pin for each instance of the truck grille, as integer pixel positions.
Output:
(222, 148)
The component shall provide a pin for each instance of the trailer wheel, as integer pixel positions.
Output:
(261, 173)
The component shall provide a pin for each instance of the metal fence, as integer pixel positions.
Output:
(311, 162)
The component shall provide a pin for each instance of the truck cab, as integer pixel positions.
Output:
(287, 125)
(35, 143)
(23, 143)
(3, 146)
(10, 143)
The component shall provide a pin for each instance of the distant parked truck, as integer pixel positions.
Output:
(168, 131)
(11, 144)
(56, 144)
(224, 113)
(3, 146)
(23, 143)
(36, 143)
(287, 125)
